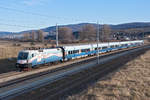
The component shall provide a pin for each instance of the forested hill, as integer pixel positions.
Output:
(77, 27)
(142, 26)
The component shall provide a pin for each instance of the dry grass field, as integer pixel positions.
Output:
(8, 55)
(8, 58)
(131, 82)
(9, 51)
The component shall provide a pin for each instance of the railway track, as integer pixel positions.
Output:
(55, 75)
(14, 77)
(60, 89)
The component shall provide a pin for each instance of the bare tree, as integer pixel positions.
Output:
(88, 32)
(26, 36)
(105, 33)
(40, 36)
(33, 36)
(65, 34)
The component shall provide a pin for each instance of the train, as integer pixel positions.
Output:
(35, 57)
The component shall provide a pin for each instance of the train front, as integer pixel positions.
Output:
(22, 60)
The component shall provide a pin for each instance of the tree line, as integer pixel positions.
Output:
(34, 36)
(87, 33)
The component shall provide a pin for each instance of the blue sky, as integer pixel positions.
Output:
(20, 15)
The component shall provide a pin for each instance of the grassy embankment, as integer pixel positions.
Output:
(131, 82)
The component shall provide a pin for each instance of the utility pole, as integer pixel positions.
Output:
(143, 35)
(56, 35)
(97, 43)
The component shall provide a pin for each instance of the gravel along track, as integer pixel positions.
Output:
(76, 82)
(5, 75)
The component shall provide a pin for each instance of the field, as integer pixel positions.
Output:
(131, 82)
(8, 54)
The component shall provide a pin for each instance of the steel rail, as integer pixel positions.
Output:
(31, 86)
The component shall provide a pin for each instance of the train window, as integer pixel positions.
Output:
(68, 52)
(23, 55)
(71, 52)
(40, 50)
(32, 55)
(76, 51)
(112, 46)
(85, 50)
(104, 47)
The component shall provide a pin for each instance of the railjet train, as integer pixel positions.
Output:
(33, 58)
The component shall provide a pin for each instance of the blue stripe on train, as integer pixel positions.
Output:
(70, 56)
(47, 60)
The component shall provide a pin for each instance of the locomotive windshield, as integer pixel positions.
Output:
(22, 56)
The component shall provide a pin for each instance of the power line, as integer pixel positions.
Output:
(16, 25)
(12, 20)
(37, 14)
(32, 13)
(22, 11)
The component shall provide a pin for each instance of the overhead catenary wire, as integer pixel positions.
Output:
(40, 23)
(16, 25)
(38, 14)
(35, 14)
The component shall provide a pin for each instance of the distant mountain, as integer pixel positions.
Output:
(4, 33)
(77, 27)
(131, 25)
(74, 27)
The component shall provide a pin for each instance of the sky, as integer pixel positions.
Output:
(20, 15)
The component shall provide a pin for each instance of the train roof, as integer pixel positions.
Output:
(87, 46)
(83, 46)
(40, 50)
